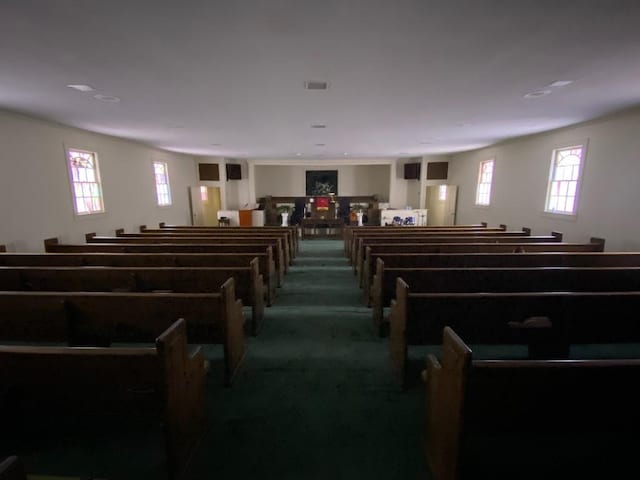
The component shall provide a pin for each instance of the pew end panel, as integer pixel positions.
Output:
(234, 341)
(257, 300)
(445, 386)
(164, 383)
(551, 402)
(12, 468)
(398, 332)
(185, 373)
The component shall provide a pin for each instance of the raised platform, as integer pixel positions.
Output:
(326, 227)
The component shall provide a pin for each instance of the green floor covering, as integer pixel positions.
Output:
(315, 398)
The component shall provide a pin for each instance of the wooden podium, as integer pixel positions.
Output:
(244, 218)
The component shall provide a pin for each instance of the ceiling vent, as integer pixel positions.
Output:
(316, 85)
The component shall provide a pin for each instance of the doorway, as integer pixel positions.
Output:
(205, 204)
(441, 204)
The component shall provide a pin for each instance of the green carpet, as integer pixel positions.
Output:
(315, 398)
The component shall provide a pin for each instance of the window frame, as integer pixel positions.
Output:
(72, 182)
(582, 144)
(479, 182)
(156, 184)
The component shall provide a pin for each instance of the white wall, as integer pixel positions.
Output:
(610, 193)
(290, 180)
(35, 193)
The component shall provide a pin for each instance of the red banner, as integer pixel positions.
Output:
(322, 203)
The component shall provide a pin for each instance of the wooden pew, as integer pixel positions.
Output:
(248, 282)
(102, 318)
(11, 468)
(266, 266)
(52, 245)
(368, 267)
(205, 236)
(349, 230)
(292, 232)
(391, 232)
(512, 237)
(496, 279)
(293, 229)
(491, 318)
(165, 382)
(356, 236)
(280, 247)
(526, 419)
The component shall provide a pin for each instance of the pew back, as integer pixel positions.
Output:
(165, 381)
(549, 400)
(494, 318)
(100, 318)
(248, 282)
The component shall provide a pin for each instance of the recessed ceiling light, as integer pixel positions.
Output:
(561, 83)
(298, 154)
(318, 125)
(316, 85)
(106, 98)
(81, 87)
(425, 143)
(320, 144)
(345, 154)
(537, 93)
(214, 144)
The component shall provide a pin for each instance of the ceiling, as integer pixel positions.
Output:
(406, 77)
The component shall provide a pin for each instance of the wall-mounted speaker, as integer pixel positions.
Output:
(412, 171)
(209, 171)
(437, 170)
(234, 171)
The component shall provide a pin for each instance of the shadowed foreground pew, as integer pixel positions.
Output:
(266, 266)
(100, 319)
(165, 382)
(492, 318)
(12, 469)
(529, 419)
(367, 269)
(248, 282)
(495, 279)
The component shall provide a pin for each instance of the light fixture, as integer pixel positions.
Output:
(215, 144)
(298, 154)
(81, 87)
(106, 98)
(537, 94)
(319, 125)
(320, 144)
(561, 83)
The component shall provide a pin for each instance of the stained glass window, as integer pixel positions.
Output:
(563, 180)
(163, 192)
(85, 181)
(485, 177)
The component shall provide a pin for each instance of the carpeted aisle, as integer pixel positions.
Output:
(315, 398)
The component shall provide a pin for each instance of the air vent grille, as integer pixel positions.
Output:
(316, 85)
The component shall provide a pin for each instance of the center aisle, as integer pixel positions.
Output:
(315, 398)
